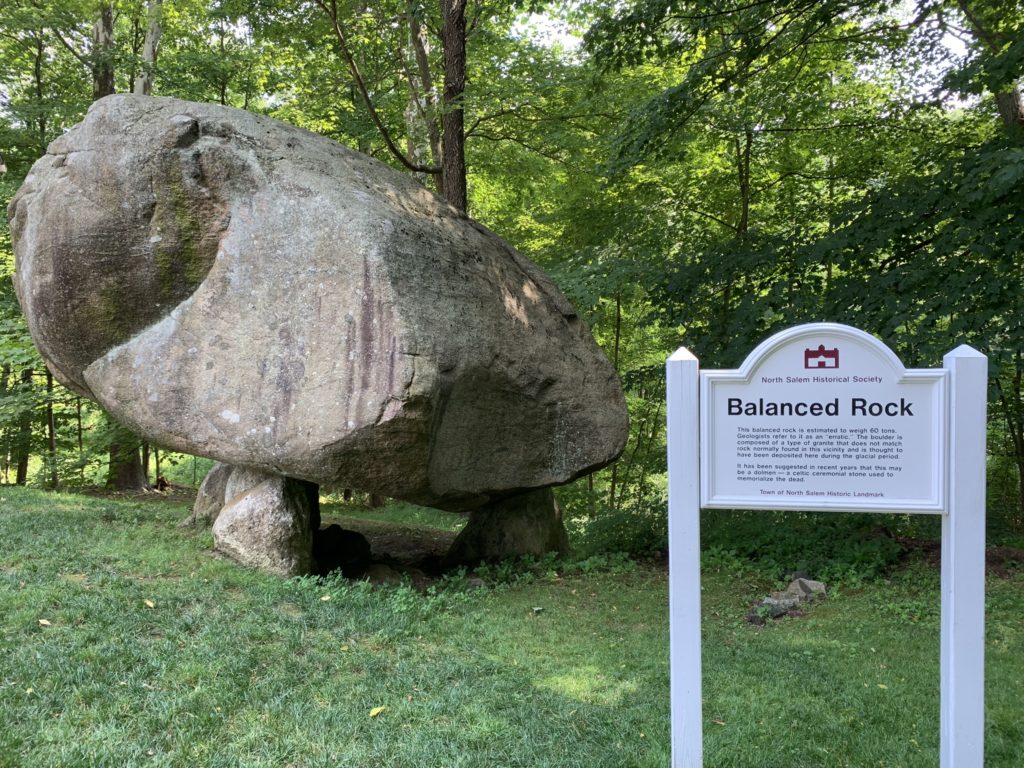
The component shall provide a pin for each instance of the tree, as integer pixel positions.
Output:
(907, 234)
(151, 46)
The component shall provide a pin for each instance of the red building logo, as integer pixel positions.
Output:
(821, 357)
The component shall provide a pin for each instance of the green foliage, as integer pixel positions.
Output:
(837, 549)
(638, 529)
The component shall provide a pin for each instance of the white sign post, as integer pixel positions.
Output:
(825, 417)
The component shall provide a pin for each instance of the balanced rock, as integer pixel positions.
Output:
(234, 287)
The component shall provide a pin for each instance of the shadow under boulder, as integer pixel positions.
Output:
(339, 549)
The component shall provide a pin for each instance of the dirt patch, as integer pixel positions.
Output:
(175, 494)
(414, 546)
(1002, 562)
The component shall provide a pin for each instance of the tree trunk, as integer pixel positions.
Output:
(150, 49)
(982, 23)
(51, 431)
(224, 79)
(615, 364)
(453, 136)
(103, 50)
(428, 93)
(124, 472)
(5, 437)
(23, 445)
(37, 76)
(81, 451)
(743, 173)
(1011, 108)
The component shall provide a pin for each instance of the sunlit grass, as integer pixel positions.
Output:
(157, 653)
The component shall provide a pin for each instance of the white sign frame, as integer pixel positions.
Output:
(960, 500)
(840, 337)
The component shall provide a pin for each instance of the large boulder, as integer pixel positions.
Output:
(234, 287)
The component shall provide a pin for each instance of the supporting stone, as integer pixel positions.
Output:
(210, 496)
(526, 524)
(266, 523)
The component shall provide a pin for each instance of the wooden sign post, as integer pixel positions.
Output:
(825, 417)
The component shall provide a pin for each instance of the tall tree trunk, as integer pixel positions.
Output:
(124, 471)
(37, 76)
(1013, 408)
(81, 451)
(223, 54)
(103, 50)
(51, 431)
(615, 364)
(453, 136)
(5, 437)
(743, 153)
(1011, 108)
(150, 49)
(23, 445)
(428, 93)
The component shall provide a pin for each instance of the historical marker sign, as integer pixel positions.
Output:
(823, 417)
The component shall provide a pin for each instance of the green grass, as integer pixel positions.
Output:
(396, 512)
(233, 668)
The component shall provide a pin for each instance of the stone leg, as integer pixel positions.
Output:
(210, 497)
(526, 524)
(266, 522)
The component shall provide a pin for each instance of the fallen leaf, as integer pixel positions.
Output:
(44, 623)
(376, 711)
(883, 686)
(325, 598)
(149, 603)
(344, 648)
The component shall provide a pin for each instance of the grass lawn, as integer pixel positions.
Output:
(123, 642)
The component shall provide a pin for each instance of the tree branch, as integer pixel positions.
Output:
(711, 216)
(84, 61)
(525, 145)
(332, 13)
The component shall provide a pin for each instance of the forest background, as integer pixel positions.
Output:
(690, 173)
